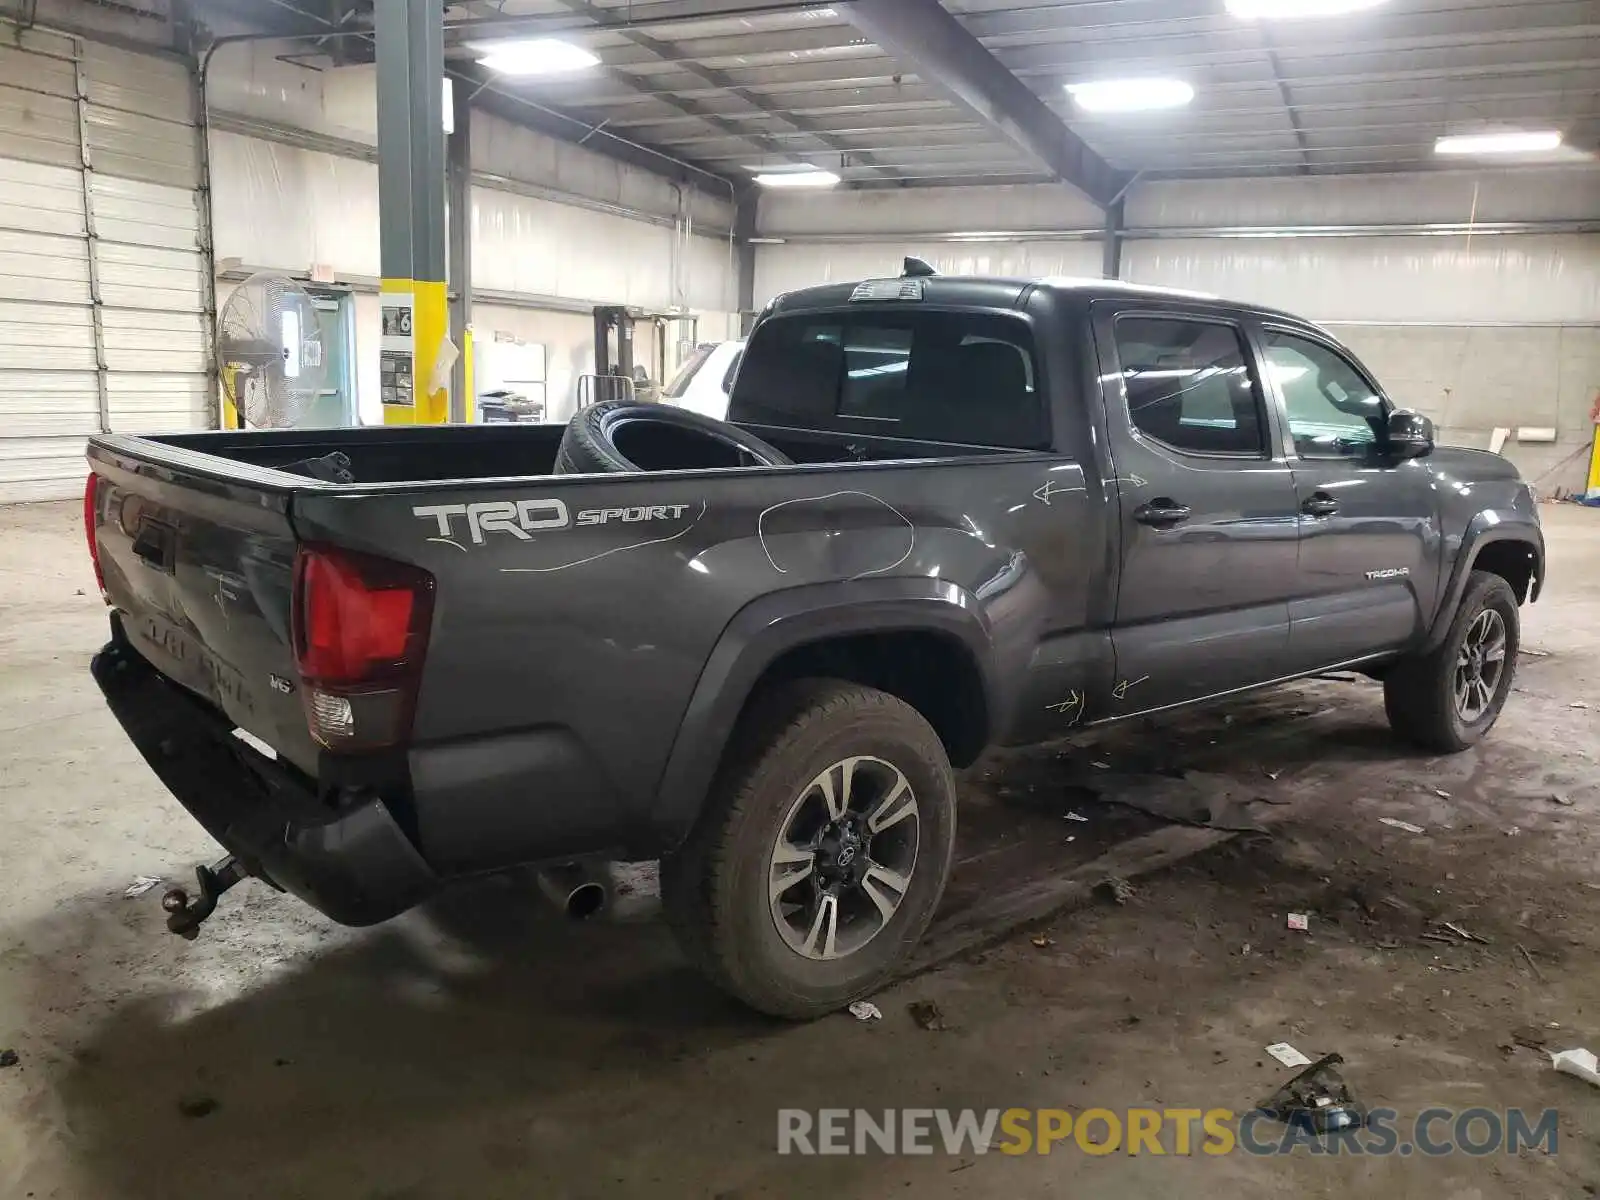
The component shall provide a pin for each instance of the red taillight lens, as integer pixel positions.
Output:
(360, 632)
(91, 513)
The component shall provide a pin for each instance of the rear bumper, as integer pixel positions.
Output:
(353, 863)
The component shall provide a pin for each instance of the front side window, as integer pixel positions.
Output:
(1333, 411)
(1188, 385)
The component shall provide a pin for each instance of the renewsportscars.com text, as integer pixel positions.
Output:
(1434, 1132)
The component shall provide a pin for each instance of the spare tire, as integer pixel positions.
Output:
(620, 436)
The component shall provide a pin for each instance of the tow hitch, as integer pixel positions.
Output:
(184, 915)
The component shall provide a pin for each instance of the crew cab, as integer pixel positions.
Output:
(947, 513)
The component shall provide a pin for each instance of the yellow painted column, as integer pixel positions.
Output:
(415, 353)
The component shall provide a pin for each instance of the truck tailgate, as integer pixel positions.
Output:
(201, 566)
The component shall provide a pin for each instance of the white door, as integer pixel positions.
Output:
(103, 297)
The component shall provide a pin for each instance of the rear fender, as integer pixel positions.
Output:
(772, 626)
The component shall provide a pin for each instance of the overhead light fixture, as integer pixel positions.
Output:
(535, 56)
(1130, 95)
(811, 178)
(1505, 142)
(1288, 10)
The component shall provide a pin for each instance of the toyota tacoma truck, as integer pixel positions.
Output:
(947, 513)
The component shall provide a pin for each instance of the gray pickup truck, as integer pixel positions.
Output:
(947, 513)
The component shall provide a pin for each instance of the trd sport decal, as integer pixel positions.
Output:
(523, 518)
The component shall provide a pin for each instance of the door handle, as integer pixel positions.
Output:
(1320, 504)
(1162, 513)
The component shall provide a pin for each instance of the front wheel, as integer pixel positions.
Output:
(1447, 700)
(823, 851)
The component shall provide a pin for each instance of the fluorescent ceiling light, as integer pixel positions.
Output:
(798, 179)
(1506, 142)
(537, 56)
(1131, 95)
(1291, 9)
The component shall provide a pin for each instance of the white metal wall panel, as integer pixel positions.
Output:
(103, 279)
(1518, 194)
(1523, 279)
(284, 207)
(787, 267)
(539, 247)
(1472, 379)
(897, 212)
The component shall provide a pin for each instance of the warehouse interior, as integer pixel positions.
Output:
(1420, 178)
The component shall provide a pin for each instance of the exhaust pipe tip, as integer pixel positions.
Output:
(585, 901)
(579, 891)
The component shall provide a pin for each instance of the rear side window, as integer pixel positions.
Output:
(1188, 385)
(926, 376)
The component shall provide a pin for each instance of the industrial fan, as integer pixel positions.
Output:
(269, 352)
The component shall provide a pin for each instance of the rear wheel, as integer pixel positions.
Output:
(1447, 700)
(822, 853)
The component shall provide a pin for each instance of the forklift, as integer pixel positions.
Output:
(617, 375)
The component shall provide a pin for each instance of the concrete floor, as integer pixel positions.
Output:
(479, 1047)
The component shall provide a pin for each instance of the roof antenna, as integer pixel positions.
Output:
(917, 268)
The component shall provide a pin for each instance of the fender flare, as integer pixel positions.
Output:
(765, 630)
(1487, 527)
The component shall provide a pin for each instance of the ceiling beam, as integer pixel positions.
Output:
(928, 40)
(664, 52)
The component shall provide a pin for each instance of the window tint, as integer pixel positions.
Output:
(1333, 411)
(686, 373)
(1188, 385)
(929, 376)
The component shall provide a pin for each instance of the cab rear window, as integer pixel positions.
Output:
(968, 378)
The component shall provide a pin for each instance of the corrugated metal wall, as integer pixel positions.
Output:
(1495, 329)
(103, 286)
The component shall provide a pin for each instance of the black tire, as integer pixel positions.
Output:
(715, 887)
(1419, 694)
(668, 439)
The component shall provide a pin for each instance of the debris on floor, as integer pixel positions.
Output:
(9, 1058)
(1317, 1099)
(140, 885)
(1514, 831)
(1441, 793)
(1043, 941)
(866, 1010)
(1562, 799)
(1193, 798)
(927, 1015)
(1073, 816)
(1581, 1063)
(1395, 823)
(1119, 890)
(1579, 704)
(1300, 922)
(1463, 934)
(1288, 1055)
(1532, 966)
(195, 1107)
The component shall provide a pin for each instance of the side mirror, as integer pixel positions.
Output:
(1410, 435)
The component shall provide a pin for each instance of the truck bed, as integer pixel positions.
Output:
(420, 454)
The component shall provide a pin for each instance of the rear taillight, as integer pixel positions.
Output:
(360, 633)
(91, 518)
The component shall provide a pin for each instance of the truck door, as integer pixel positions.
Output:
(1208, 511)
(1369, 541)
